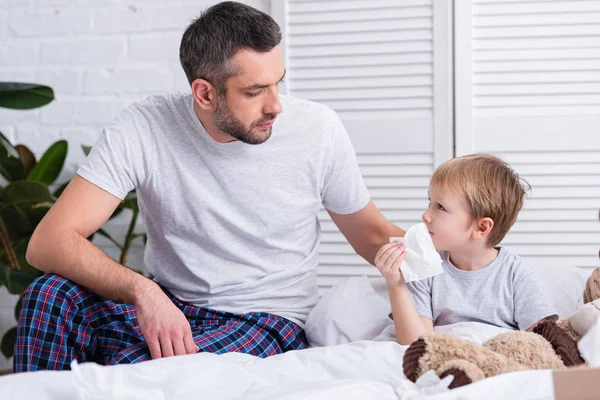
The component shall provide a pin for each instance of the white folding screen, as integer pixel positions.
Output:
(528, 88)
(386, 67)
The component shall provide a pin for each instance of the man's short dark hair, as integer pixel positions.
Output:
(210, 42)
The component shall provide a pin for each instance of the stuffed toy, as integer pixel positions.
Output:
(551, 345)
(592, 288)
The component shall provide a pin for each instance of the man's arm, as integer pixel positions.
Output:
(366, 230)
(59, 246)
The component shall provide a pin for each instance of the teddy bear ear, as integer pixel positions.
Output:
(410, 363)
(585, 317)
(592, 287)
(564, 346)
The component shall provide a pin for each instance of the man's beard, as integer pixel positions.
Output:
(228, 123)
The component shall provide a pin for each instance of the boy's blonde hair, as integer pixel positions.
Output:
(490, 188)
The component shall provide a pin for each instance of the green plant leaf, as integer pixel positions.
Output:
(17, 281)
(8, 342)
(118, 210)
(21, 220)
(102, 232)
(60, 190)
(10, 149)
(130, 201)
(51, 163)
(86, 150)
(143, 236)
(24, 96)
(10, 164)
(17, 222)
(3, 267)
(18, 307)
(25, 192)
(36, 212)
(27, 158)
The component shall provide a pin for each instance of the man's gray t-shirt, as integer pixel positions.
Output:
(231, 226)
(507, 293)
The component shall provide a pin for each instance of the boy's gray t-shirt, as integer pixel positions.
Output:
(507, 293)
(231, 226)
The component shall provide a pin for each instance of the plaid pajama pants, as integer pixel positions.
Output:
(61, 321)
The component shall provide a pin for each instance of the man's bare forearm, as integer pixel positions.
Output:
(68, 254)
(380, 237)
(366, 230)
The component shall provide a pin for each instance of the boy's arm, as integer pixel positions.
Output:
(409, 325)
(407, 322)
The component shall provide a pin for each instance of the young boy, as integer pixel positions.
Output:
(473, 202)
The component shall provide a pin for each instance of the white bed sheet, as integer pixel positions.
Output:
(359, 370)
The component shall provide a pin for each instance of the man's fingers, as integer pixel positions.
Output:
(166, 347)
(154, 346)
(190, 346)
(179, 347)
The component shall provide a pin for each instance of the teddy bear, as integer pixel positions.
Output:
(551, 345)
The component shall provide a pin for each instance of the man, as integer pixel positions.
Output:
(229, 181)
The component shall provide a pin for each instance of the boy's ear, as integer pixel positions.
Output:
(483, 228)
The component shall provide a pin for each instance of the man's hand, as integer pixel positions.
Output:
(388, 261)
(165, 328)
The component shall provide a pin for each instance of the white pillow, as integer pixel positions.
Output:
(565, 287)
(349, 311)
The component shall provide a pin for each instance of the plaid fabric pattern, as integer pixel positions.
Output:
(61, 321)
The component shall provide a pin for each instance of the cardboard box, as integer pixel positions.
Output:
(580, 383)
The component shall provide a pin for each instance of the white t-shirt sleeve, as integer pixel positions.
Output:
(344, 191)
(120, 160)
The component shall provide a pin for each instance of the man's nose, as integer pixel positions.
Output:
(273, 105)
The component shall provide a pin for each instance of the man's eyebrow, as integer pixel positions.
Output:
(257, 86)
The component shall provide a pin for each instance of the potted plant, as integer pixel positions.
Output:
(26, 197)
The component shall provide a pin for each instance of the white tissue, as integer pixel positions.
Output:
(427, 385)
(589, 345)
(422, 259)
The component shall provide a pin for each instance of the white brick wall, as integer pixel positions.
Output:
(98, 56)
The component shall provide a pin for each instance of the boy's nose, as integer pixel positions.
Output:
(426, 218)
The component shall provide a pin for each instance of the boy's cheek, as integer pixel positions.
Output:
(438, 241)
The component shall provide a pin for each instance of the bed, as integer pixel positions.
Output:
(355, 357)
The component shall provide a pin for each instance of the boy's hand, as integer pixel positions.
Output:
(388, 260)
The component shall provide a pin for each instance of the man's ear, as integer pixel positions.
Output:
(483, 228)
(205, 94)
